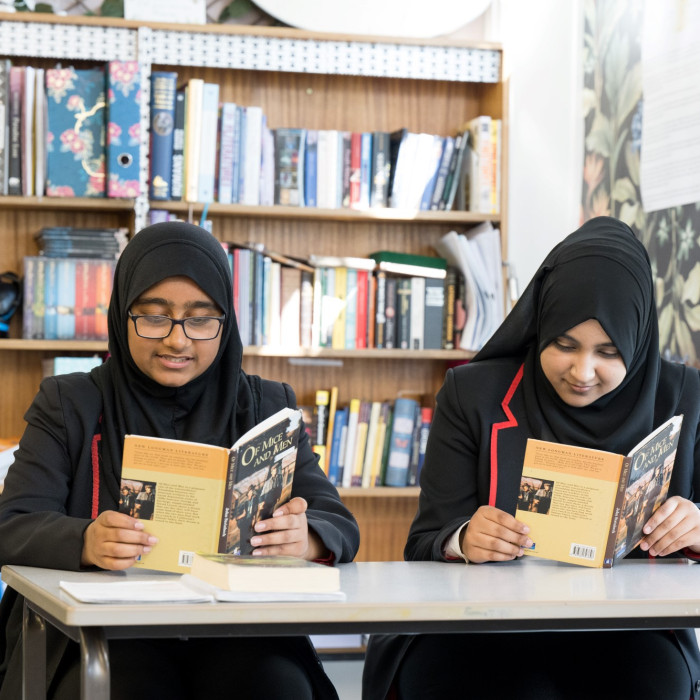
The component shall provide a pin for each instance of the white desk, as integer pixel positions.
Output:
(405, 597)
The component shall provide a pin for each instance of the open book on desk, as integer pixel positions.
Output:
(587, 506)
(181, 589)
(205, 498)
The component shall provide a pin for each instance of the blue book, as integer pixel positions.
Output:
(123, 129)
(65, 299)
(401, 442)
(365, 170)
(51, 299)
(310, 168)
(434, 165)
(76, 132)
(339, 427)
(163, 101)
(178, 172)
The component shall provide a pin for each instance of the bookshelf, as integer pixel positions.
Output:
(300, 79)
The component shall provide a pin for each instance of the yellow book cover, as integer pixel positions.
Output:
(586, 506)
(199, 497)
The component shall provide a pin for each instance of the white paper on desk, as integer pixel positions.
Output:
(170, 591)
(671, 120)
(224, 596)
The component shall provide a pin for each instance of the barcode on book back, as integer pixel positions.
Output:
(582, 551)
(185, 559)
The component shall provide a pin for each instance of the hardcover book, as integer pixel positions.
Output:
(123, 129)
(586, 506)
(207, 498)
(76, 132)
(163, 101)
(401, 442)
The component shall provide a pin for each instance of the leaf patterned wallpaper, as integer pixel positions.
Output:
(614, 118)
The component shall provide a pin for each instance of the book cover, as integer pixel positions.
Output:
(344, 169)
(51, 299)
(194, 93)
(39, 133)
(442, 171)
(124, 128)
(351, 442)
(372, 431)
(332, 407)
(355, 169)
(416, 340)
(320, 413)
(365, 170)
(360, 443)
(76, 132)
(278, 574)
(340, 421)
(27, 130)
(448, 329)
(403, 313)
(65, 299)
(362, 309)
(431, 167)
(351, 308)
(163, 102)
(410, 264)
(390, 314)
(176, 178)
(400, 442)
(426, 419)
(586, 506)
(251, 137)
(327, 182)
(204, 498)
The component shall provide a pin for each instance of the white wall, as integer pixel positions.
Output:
(542, 48)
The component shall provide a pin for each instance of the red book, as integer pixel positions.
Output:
(355, 168)
(361, 313)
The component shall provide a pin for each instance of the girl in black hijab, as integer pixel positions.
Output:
(576, 361)
(58, 508)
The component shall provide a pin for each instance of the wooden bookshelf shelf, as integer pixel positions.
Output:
(448, 218)
(98, 204)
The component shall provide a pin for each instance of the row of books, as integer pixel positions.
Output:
(66, 298)
(206, 150)
(70, 132)
(368, 443)
(385, 301)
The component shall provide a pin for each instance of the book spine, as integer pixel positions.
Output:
(381, 168)
(65, 299)
(416, 339)
(81, 281)
(310, 168)
(251, 163)
(321, 410)
(355, 169)
(105, 272)
(351, 442)
(365, 170)
(307, 302)
(434, 314)
(448, 330)
(372, 430)
(380, 310)
(289, 167)
(360, 444)
(16, 85)
(456, 180)
(228, 128)
(415, 450)
(193, 137)
(332, 407)
(351, 309)
(427, 194)
(339, 429)
(176, 178)
(371, 309)
(207, 150)
(401, 442)
(4, 123)
(39, 134)
(403, 313)
(609, 557)
(390, 313)
(426, 416)
(443, 168)
(50, 300)
(123, 154)
(361, 313)
(90, 305)
(341, 286)
(27, 131)
(29, 284)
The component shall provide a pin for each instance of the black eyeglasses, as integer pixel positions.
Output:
(159, 327)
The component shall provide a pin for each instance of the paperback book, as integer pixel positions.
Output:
(586, 506)
(200, 497)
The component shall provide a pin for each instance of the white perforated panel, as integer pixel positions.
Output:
(67, 41)
(377, 59)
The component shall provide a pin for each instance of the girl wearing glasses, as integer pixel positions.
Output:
(175, 372)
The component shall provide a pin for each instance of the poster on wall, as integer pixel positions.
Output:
(614, 113)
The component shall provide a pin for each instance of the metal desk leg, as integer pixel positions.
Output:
(94, 664)
(33, 655)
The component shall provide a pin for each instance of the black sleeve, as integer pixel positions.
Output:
(448, 480)
(327, 515)
(35, 528)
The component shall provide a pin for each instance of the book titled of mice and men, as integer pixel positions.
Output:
(204, 498)
(586, 506)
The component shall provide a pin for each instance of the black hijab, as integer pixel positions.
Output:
(217, 406)
(599, 272)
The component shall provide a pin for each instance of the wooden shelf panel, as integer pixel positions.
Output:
(312, 213)
(67, 203)
(251, 351)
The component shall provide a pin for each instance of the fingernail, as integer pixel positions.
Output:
(138, 525)
(277, 513)
(259, 527)
(146, 549)
(152, 540)
(255, 541)
(257, 553)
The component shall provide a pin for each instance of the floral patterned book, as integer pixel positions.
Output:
(76, 132)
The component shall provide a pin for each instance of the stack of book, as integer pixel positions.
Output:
(67, 286)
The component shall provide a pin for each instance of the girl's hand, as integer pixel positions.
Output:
(494, 535)
(287, 533)
(674, 526)
(114, 541)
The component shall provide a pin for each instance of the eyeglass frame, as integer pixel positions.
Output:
(175, 322)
